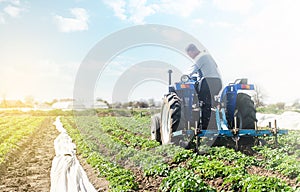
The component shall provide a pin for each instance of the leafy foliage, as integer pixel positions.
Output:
(120, 178)
(182, 179)
(108, 142)
(13, 129)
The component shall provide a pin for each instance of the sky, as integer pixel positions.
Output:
(43, 43)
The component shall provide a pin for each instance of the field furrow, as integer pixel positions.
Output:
(169, 168)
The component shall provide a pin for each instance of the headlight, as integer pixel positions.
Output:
(184, 78)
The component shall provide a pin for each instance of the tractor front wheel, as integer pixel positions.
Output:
(170, 117)
(155, 127)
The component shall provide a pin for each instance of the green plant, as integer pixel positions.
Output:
(182, 179)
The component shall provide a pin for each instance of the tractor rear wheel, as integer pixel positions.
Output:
(246, 118)
(245, 112)
(155, 127)
(170, 116)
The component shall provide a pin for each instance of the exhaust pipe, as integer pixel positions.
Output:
(170, 76)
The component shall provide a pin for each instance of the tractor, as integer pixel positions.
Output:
(190, 114)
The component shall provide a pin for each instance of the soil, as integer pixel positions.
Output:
(147, 183)
(100, 184)
(263, 172)
(28, 168)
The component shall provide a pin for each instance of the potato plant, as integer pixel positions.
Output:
(118, 147)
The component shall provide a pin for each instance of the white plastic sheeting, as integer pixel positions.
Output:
(287, 120)
(67, 175)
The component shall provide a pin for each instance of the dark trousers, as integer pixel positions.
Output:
(208, 88)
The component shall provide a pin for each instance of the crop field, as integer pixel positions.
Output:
(26, 152)
(120, 150)
(13, 129)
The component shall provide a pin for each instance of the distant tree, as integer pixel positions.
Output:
(136, 104)
(125, 105)
(3, 103)
(151, 102)
(29, 100)
(50, 103)
(259, 96)
(117, 105)
(54, 101)
(296, 104)
(105, 102)
(130, 103)
(280, 105)
(143, 104)
(140, 104)
(19, 103)
(66, 99)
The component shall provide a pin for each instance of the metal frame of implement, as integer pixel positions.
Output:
(231, 133)
(235, 133)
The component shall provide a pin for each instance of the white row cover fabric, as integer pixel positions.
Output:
(67, 175)
(287, 120)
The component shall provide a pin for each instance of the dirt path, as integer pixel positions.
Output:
(29, 167)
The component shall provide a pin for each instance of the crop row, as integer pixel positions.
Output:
(18, 129)
(181, 169)
(285, 157)
(121, 133)
(199, 170)
(136, 125)
(120, 179)
(116, 149)
(13, 125)
(278, 160)
(151, 161)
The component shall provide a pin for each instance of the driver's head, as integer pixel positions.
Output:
(192, 50)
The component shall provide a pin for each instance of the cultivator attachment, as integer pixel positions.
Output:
(240, 133)
(230, 133)
(237, 138)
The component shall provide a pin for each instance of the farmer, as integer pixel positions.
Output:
(210, 82)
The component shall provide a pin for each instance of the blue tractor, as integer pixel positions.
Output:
(224, 117)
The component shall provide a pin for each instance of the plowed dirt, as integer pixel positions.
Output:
(28, 168)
